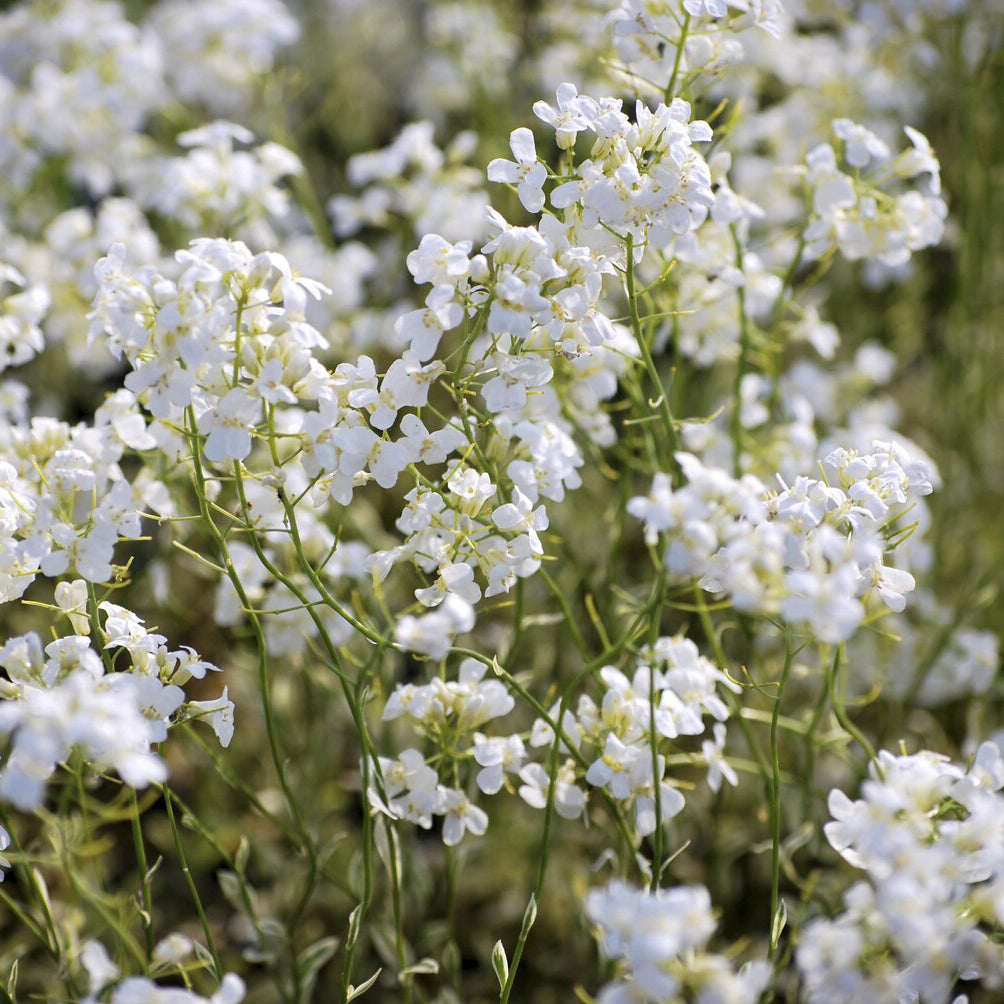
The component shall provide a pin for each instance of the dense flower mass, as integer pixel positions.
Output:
(927, 834)
(537, 490)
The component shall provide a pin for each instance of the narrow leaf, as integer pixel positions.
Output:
(780, 919)
(500, 963)
(358, 991)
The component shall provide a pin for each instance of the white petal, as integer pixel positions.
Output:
(522, 145)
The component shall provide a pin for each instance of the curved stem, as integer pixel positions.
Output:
(837, 701)
(190, 882)
(672, 440)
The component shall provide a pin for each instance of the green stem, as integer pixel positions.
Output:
(657, 837)
(397, 906)
(263, 667)
(647, 613)
(742, 365)
(353, 696)
(29, 881)
(190, 882)
(264, 685)
(671, 86)
(775, 840)
(810, 750)
(144, 875)
(837, 701)
(672, 440)
(730, 698)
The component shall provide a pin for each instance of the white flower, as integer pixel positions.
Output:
(860, 144)
(527, 173)
(497, 756)
(439, 262)
(219, 714)
(567, 119)
(229, 425)
(456, 579)
(714, 756)
(423, 329)
(175, 948)
(432, 634)
(462, 815)
(569, 799)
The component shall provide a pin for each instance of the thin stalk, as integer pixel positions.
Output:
(731, 699)
(837, 701)
(549, 810)
(263, 667)
(775, 323)
(742, 365)
(353, 696)
(264, 685)
(538, 889)
(397, 907)
(144, 876)
(775, 809)
(653, 738)
(671, 86)
(367, 896)
(672, 440)
(190, 882)
(28, 880)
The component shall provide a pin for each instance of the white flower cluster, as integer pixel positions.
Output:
(673, 687)
(716, 267)
(661, 941)
(215, 54)
(78, 80)
(431, 189)
(857, 214)
(229, 341)
(20, 313)
(966, 665)
(215, 188)
(63, 263)
(68, 696)
(450, 534)
(813, 553)
(649, 34)
(64, 501)
(447, 712)
(929, 836)
(643, 179)
(106, 983)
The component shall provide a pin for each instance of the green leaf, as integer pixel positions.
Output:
(311, 960)
(500, 963)
(530, 915)
(426, 966)
(231, 885)
(358, 991)
(241, 855)
(780, 919)
(355, 927)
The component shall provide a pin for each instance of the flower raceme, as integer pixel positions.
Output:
(813, 552)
